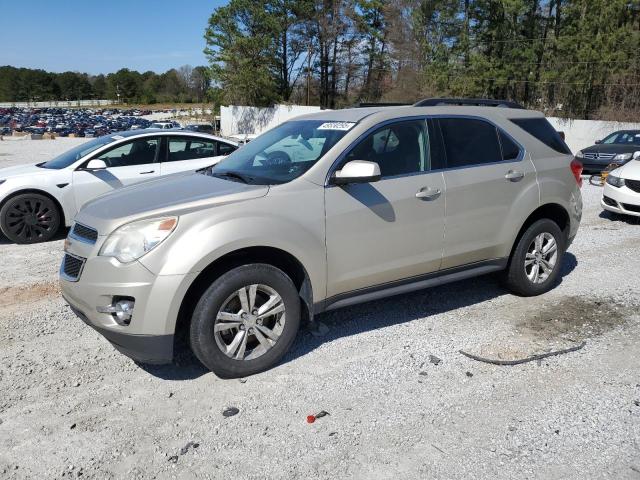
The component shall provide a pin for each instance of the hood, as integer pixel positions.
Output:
(172, 195)
(22, 170)
(630, 170)
(602, 148)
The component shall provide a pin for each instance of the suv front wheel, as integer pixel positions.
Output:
(536, 260)
(245, 321)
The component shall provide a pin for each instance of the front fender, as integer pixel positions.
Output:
(193, 247)
(60, 188)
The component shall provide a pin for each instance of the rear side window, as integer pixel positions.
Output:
(510, 151)
(225, 148)
(541, 129)
(469, 141)
(188, 148)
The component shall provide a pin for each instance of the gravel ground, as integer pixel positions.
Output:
(71, 406)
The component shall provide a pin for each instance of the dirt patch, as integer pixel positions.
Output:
(12, 296)
(574, 319)
(544, 327)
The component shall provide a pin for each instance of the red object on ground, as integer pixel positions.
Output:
(311, 418)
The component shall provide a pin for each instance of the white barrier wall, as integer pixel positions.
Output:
(580, 134)
(253, 120)
(249, 120)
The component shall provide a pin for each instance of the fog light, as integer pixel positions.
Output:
(121, 310)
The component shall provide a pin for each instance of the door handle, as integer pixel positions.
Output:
(428, 193)
(514, 176)
(147, 173)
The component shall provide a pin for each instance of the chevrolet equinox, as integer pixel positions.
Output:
(321, 212)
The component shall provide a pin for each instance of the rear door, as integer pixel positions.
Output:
(183, 153)
(488, 179)
(127, 163)
(392, 229)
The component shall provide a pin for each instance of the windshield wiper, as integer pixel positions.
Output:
(235, 175)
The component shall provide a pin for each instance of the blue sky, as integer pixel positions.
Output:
(103, 36)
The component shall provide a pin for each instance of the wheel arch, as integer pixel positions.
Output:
(552, 211)
(38, 191)
(273, 256)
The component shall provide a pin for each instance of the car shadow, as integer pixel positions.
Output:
(185, 365)
(618, 217)
(404, 308)
(61, 235)
(365, 317)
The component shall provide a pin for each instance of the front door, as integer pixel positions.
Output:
(127, 163)
(391, 229)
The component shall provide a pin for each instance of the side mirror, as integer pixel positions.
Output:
(636, 155)
(598, 142)
(96, 165)
(357, 171)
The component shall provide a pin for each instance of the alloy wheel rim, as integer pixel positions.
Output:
(250, 322)
(541, 258)
(29, 219)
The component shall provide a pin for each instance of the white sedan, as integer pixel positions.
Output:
(37, 199)
(621, 192)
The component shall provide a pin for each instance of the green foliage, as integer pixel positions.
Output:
(568, 57)
(184, 85)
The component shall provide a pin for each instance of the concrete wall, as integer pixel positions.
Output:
(583, 133)
(252, 120)
(249, 120)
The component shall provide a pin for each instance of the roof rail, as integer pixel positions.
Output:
(381, 104)
(478, 102)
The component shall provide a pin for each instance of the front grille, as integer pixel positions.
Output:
(599, 156)
(609, 201)
(631, 208)
(84, 233)
(633, 185)
(72, 266)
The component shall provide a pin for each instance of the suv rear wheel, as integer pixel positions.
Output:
(245, 321)
(536, 260)
(30, 218)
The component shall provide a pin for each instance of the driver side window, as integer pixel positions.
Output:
(136, 152)
(399, 148)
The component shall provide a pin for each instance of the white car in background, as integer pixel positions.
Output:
(164, 125)
(37, 199)
(621, 192)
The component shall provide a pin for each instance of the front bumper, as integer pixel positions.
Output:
(621, 200)
(153, 349)
(594, 165)
(149, 336)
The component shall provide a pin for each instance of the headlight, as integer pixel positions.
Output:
(623, 157)
(133, 240)
(580, 154)
(615, 181)
(2, 181)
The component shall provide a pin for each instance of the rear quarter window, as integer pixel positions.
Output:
(541, 129)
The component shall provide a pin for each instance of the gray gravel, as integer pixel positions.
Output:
(71, 406)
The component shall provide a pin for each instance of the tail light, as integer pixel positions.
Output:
(576, 169)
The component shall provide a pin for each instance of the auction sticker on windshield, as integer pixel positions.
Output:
(336, 126)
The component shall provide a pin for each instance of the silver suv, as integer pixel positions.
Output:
(324, 211)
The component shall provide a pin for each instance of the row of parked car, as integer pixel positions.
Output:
(64, 122)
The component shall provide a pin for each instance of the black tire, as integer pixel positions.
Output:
(201, 333)
(30, 218)
(515, 277)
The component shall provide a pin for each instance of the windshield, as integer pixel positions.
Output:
(282, 154)
(623, 138)
(71, 156)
